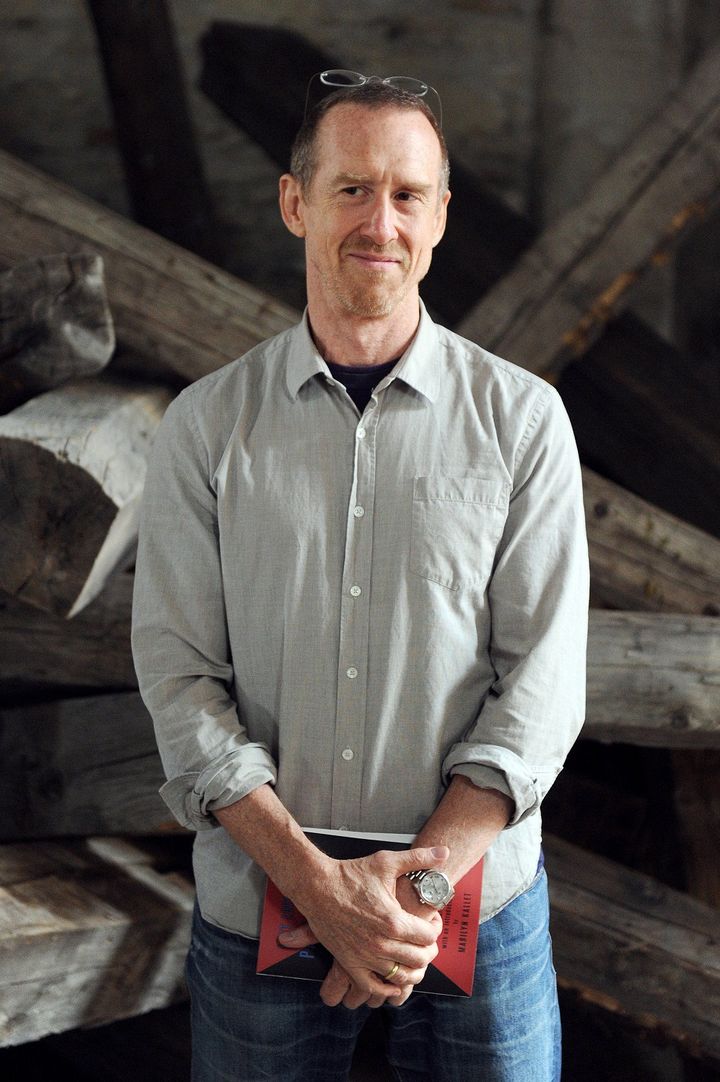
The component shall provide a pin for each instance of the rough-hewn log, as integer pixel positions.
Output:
(41, 650)
(163, 167)
(483, 237)
(635, 947)
(89, 932)
(644, 558)
(80, 766)
(55, 325)
(654, 679)
(581, 270)
(72, 469)
(643, 420)
(168, 305)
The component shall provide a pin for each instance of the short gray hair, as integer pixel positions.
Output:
(372, 95)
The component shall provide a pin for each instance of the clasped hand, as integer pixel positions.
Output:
(369, 917)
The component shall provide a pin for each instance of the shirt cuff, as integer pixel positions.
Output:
(490, 766)
(192, 797)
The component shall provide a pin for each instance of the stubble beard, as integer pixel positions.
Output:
(372, 298)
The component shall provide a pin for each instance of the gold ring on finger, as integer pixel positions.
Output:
(393, 971)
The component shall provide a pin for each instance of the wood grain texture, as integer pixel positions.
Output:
(634, 947)
(167, 304)
(89, 932)
(643, 558)
(55, 325)
(654, 679)
(72, 470)
(78, 767)
(581, 270)
(39, 649)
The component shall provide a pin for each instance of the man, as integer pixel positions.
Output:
(368, 613)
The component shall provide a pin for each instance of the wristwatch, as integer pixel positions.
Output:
(433, 887)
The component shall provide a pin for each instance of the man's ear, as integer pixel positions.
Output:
(441, 218)
(292, 205)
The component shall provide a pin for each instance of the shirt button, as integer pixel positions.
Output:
(355, 591)
(348, 754)
(358, 511)
(352, 672)
(360, 433)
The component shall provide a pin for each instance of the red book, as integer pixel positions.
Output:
(450, 973)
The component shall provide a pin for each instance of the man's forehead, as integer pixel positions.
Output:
(344, 120)
(350, 134)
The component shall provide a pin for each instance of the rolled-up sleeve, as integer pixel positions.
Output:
(179, 636)
(538, 600)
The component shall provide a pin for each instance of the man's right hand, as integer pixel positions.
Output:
(352, 909)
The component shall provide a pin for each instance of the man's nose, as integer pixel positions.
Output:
(379, 225)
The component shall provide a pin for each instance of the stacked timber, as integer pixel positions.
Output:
(77, 754)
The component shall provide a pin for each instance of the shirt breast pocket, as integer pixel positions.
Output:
(457, 523)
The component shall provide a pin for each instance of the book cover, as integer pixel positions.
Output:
(450, 973)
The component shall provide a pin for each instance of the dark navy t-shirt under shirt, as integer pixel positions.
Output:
(360, 381)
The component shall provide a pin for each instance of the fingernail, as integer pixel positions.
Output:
(291, 934)
(439, 851)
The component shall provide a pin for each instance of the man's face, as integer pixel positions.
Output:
(373, 211)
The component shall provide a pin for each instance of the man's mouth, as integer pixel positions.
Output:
(375, 260)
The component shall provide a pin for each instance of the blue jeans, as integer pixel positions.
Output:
(248, 1028)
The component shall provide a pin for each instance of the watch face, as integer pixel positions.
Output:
(434, 888)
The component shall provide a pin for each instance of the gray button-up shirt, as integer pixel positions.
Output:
(354, 608)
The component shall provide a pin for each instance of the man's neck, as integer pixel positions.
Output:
(353, 341)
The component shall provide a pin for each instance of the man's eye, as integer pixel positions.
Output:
(353, 189)
(405, 197)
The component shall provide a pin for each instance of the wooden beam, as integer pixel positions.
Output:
(39, 650)
(169, 306)
(163, 167)
(72, 469)
(653, 679)
(642, 558)
(642, 419)
(634, 947)
(581, 270)
(55, 325)
(57, 781)
(90, 932)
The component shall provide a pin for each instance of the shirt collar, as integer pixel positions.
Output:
(418, 366)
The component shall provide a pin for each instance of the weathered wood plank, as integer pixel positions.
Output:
(89, 932)
(163, 167)
(642, 558)
(55, 325)
(39, 649)
(72, 469)
(653, 679)
(581, 270)
(58, 780)
(635, 947)
(167, 304)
